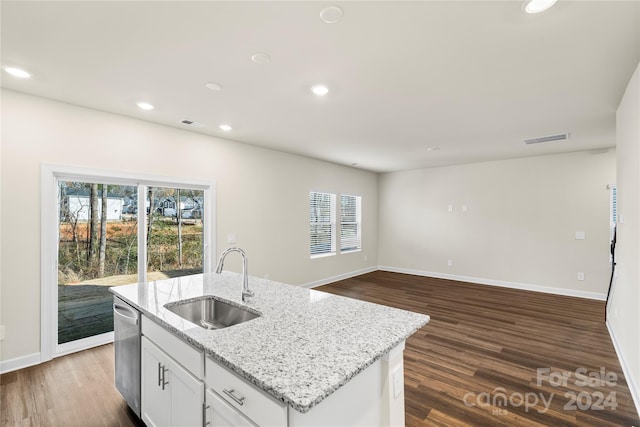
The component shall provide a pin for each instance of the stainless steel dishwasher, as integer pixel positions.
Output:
(126, 343)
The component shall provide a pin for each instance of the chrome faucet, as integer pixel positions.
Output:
(245, 276)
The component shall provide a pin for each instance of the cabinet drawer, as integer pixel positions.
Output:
(245, 397)
(183, 353)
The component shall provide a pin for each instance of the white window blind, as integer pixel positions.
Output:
(350, 223)
(614, 205)
(322, 221)
(613, 213)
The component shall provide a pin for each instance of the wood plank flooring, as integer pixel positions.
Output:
(74, 390)
(484, 341)
(480, 339)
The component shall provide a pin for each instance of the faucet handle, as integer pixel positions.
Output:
(247, 293)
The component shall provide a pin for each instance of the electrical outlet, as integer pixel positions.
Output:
(580, 275)
(398, 382)
(366, 257)
(266, 276)
(450, 262)
(231, 238)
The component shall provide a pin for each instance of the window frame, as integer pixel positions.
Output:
(357, 222)
(50, 177)
(331, 223)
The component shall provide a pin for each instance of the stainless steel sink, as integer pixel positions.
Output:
(211, 313)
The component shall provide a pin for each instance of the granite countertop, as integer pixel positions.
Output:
(306, 344)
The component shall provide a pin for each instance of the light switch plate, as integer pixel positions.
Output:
(580, 275)
(450, 208)
(231, 238)
(580, 235)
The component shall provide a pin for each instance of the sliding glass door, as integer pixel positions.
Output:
(174, 232)
(109, 229)
(97, 248)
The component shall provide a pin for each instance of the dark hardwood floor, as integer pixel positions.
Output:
(482, 341)
(485, 341)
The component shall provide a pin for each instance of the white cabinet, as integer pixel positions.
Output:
(242, 397)
(154, 399)
(221, 414)
(171, 396)
(172, 372)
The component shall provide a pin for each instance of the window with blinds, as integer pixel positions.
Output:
(613, 208)
(322, 224)
(613, 213)
(350, 223)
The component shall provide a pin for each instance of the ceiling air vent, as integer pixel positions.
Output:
(560, 137)
(191, 123)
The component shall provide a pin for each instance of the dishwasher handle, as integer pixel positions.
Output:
(125, 313)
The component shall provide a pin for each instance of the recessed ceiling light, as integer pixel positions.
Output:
(320, 90)
(261, 58)
(145, 106)
(331, 14)
(433, 148)
(214, 86)
(537, 6)
(17, 72)
(354, 164)
(225, 128)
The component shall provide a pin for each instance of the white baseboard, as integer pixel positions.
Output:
(83, 344)
(19, 363)
(631, 382)
(339, 277)
(62, 350)
(500, 283)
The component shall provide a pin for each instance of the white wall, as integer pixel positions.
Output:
(519, 227)
(624, 306)
(262, 196)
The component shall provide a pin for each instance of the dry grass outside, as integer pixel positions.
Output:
(127, 279)
(120, 229)
(121, 262)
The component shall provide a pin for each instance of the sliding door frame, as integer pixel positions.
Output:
(51, 176)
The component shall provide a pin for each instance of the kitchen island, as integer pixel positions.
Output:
(321, 359)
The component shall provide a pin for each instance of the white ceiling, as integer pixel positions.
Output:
(472, 78)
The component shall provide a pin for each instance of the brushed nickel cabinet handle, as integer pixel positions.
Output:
(238, 399)
(205, 423)
(164, 371)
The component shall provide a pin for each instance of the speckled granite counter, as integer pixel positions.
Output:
(306, 344)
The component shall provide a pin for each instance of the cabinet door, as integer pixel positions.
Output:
(221, 414)
(187, 396)
(155, 400)
(171, 396)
